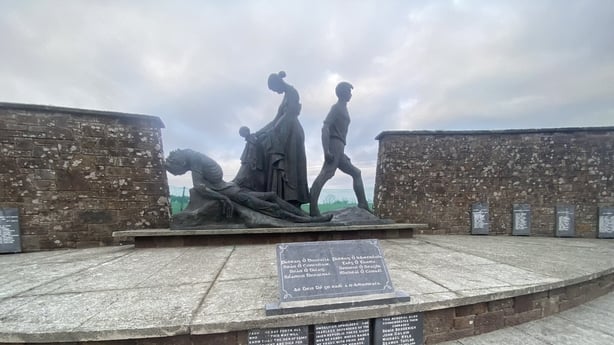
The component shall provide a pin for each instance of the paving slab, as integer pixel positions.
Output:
(556, 257)
(238, 295)
(63, 255)
(456, 278)
(589, 316)
(513, 275)
(42, 317)
(125, 272)
(150, 312)
(556, 330)
(193, 266)
(511, 336)
(249, 262)
(26, 273)
(413, 283)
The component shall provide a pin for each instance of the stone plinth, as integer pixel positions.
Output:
(149, 238)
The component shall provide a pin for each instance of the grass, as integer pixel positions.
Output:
(178, 203)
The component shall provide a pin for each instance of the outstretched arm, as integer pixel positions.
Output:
(290, 106)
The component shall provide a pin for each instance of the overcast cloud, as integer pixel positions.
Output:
(202, 66)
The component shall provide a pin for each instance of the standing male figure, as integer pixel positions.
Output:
(334, 134)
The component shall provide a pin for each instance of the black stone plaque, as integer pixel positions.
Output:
(329, 269)
(399, 330)
(606, 222)
(10, 237)
(480, 222)
(278, 336)
(343, 333)
(521, 220)
(565, 221)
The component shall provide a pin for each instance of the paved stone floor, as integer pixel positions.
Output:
(588, 324)
(118, 292)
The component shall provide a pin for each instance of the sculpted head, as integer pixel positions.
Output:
(244, 131)
(344, 91)
(276, 82)
(181, 161)
(177, 162)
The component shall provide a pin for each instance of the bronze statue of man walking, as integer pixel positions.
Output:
(334, 134)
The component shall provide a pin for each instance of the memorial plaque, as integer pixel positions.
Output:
(343, 333)
(10, 237)
(330, 269)
(480, 222)
(278, 336)
(606, 222)
(521, 220)
(565, 221)
(399, 330)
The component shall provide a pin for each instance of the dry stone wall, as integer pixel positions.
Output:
(435, 176)
(78, 175)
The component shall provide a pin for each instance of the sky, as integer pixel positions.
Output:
(202, 66)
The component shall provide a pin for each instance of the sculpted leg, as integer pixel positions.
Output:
(286, 206)
(327, 172)
(347, 167)
(305, 218)
(359, 190)
(287, 210)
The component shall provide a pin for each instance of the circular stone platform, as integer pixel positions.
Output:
(464, 285)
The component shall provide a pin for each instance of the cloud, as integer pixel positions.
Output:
(202, 66)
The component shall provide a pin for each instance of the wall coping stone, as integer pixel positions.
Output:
(384, 134)
(156, 121)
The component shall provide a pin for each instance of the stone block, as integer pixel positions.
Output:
(585, 229)
(176, 340)
(447, 336)
(574, 291)
(438, 321)
(488, 322)
(503, 304)
(220, 339)
(97, 217)
(516, 319)
(523, 303)
(463, 322)
(559, 293)
(472, 309)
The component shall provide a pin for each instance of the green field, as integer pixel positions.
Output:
(178, 203)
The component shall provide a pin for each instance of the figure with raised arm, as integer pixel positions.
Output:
(334, 134)
(283, 145)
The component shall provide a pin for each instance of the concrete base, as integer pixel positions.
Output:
(158, 238)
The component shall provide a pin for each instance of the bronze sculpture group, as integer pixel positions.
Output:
(271, 184)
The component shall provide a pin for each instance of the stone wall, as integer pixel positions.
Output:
(78, 175)
(435, 176)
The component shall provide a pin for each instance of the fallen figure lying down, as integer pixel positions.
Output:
(209, 185)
